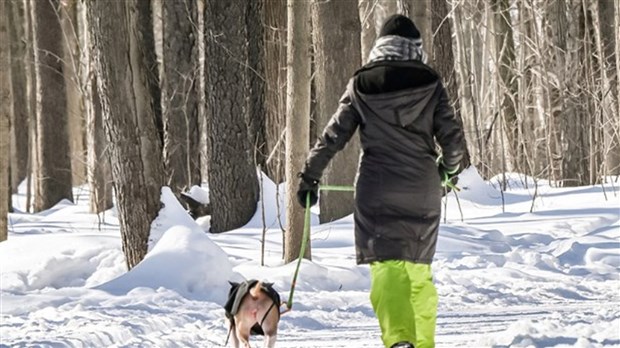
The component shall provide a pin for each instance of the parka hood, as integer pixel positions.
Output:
(400, 108)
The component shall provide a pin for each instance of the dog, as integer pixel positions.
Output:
(253, 308)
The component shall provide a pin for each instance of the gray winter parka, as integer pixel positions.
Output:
(398, 189)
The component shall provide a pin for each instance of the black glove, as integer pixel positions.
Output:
(307, 186)
(446, 173)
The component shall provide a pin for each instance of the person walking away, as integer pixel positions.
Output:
(401, 108)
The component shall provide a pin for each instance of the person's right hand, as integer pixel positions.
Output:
(446, 173)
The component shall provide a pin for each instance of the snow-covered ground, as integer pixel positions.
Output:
(518, 274)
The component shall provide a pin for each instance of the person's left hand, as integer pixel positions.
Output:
(307, 186)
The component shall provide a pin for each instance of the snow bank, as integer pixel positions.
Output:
(184, 259)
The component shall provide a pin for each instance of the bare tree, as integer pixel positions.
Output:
(5, 116)
(419, 12)
(233, 180)
(297, 120)
(443, 59)
(98, 175)
(31, 92)
(179, 88)
(368, 27)
(71, 73)
(505, 61)
(52, 142)
(135, 150)
(603, 23)
(275, 76)
(19, 121)
(255, 83)
(336, 58)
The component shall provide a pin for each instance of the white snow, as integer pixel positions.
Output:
(510, 271)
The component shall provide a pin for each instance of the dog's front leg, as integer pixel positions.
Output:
(233, 334)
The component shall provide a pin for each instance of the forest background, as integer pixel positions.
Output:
(128, 96)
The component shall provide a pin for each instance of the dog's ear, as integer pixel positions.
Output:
(268, 285)
(233, 284)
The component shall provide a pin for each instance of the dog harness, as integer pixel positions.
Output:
(236, 294)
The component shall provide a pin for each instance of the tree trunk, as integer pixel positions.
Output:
(617, 36)
(443, 60)
(275, 76)
(19, 122)
(297, 121)
(368, 27)
(71, 71)
(255, 84)
(97, 161)
(336, 58)
(31, 92)
(135, 150)
(179, 83)
(420, 15)
(5, 116)
(233, 181)
(603, 13)
(143, 14)
(505, 53)
(52, 145)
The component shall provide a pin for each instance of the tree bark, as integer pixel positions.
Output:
(179, 83)
(71, 72)
(297, 121)
(5, 116)
(420, 15)
(603, 13)
(336, 58)
(52, 145)
(98, 172)
(255, 83)
(443, 60)
(505, 58)
(233, 180)
(143, 14)
(275, 76)
(31, 92)
(135, 150)
(368, 27)
(19, 88)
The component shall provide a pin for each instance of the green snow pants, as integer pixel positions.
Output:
(404, 299)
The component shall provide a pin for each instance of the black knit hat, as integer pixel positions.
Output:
(401, 26)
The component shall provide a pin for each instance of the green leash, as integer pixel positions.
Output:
(304, 242)
(306, 235)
